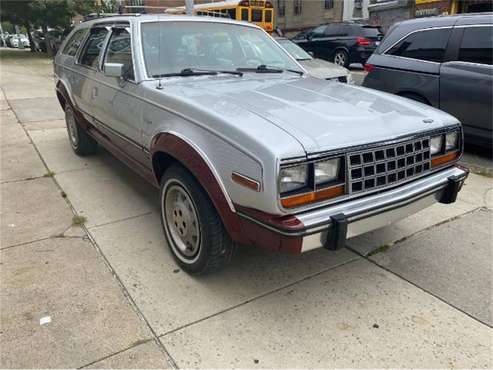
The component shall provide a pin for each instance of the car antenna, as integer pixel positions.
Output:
(160, 85)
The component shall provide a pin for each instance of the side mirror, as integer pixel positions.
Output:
(312, 54)
(113, 70)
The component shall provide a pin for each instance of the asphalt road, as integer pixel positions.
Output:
(88, 281)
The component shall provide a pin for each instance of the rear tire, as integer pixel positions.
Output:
(341, 58)
(80, 141)
(194, 232)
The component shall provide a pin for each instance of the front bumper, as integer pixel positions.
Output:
(329, 227)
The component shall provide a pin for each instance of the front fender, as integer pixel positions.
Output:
(177, 148)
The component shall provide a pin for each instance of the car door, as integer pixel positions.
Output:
(315, 40)
(87, 67)
(466, 80)
(411, 66)
(118, 109)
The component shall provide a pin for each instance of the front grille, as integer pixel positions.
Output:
(387, 165)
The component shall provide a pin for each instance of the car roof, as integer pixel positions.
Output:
(138, 18)
(449, 20)
(401, 29)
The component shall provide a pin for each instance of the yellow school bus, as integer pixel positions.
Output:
(260, 12)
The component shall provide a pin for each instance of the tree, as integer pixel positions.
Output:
(45, 14)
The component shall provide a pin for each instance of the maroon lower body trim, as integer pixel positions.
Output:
(267, 238)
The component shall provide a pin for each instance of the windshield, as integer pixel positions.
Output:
(170, 47)
(296, 52)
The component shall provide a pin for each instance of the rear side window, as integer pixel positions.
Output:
(120, 51)
(73, 43)
(423, 45)
(477, 45)
(372, 32)
(93, 46)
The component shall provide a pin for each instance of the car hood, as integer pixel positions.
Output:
(321, 115)
(321, 69)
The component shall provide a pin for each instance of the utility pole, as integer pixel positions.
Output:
(189, 6)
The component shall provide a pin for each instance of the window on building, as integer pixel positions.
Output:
(423, 45)
(477, 45)
(120, 51)
(92, 48)
(74, 43)
(297, 7)
(329, 4)
(281, 8)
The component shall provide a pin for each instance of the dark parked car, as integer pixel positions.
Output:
(445, 62)
(341, 43)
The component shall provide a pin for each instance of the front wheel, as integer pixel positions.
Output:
(194, 232)
(80, 141)
(341, 58)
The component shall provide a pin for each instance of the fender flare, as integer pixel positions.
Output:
(194, 160)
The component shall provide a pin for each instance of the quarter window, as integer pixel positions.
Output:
(73, 43)
(477, 45)
(120, 51)
(423, 45)
(93, 46)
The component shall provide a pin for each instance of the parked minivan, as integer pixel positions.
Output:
(341, 43)
(445, 62)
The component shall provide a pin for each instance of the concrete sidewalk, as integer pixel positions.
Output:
(87, 280)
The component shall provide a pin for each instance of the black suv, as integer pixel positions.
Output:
(341, 43)
(446, 62)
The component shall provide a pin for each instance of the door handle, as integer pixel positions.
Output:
(94, 93)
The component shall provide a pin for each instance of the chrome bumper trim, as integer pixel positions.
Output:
(373, 211)
(380, 202)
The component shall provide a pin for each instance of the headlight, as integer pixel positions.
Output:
(436, 144)
(326, 171)
(293, 178)
(452, 141)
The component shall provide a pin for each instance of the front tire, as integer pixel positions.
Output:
(80, 141)
(194, 232)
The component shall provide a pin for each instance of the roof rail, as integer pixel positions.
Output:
(92, 16)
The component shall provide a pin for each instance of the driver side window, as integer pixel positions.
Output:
(120, 51)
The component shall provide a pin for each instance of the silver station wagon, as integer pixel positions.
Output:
(245, 146)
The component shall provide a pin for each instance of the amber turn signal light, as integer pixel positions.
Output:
(314, 196)
(444, 158)
(245, 181)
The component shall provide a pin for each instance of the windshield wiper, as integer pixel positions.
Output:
(267, 69)
(197, 72)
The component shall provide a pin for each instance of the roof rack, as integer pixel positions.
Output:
(92, 16)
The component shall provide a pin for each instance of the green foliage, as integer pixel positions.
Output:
(45, 13)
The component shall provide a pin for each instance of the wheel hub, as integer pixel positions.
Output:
(72, 129)
(182, 221)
